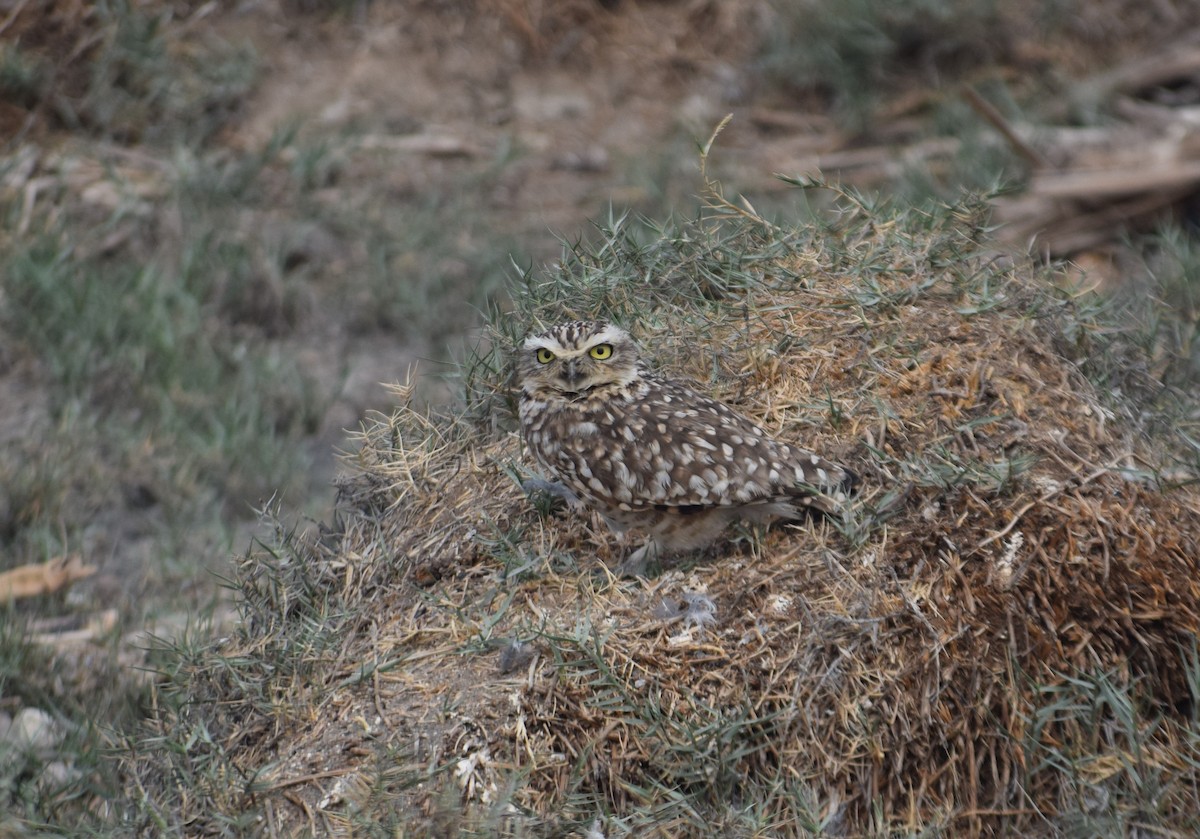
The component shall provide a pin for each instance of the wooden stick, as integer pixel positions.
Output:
(1107, 183)
(988, 111)
(43, 578)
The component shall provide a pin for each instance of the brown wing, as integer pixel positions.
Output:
(671, 446)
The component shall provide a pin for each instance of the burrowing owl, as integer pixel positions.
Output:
(651, 454)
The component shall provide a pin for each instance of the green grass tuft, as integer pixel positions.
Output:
(1126, 765)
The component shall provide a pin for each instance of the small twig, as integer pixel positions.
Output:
(65, 632)
(1042, 499)
(304, 779)
(13, 15)
(997, 812)
(270, 813)
(714, 197)
(988, 111)
(375, 677)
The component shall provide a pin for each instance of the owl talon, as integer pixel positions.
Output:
(628, 568)
(555, 489)
(636, 563)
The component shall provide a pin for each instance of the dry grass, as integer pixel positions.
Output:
(450, 656)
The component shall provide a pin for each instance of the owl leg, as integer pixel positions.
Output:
(635, 564)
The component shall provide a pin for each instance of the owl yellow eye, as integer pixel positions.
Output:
(544, 356)
(601, 351)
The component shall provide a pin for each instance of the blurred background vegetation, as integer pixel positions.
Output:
(225, 224)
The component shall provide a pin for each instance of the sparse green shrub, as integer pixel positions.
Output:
(1124, 763)
(855, 53)
(1169, 309)
(22, 76)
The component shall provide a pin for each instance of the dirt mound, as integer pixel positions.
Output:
(454, 653)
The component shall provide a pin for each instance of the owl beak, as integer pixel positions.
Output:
(572, 374)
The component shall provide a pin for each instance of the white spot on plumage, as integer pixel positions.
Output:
(748, 491)
(621, 473)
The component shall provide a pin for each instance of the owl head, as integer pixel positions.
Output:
(574, 359)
